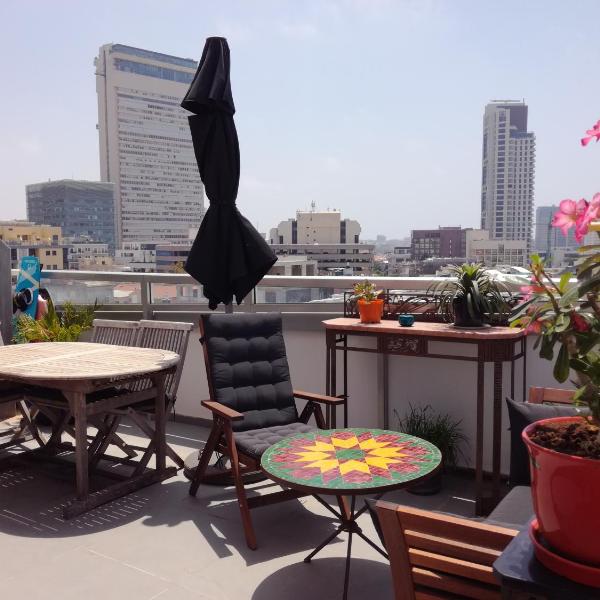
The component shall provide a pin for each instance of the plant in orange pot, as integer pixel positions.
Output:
(565, 452)
(370, 306)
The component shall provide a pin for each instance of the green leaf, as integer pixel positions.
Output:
(564, 281)
(562, 323)
(547, 347)
(561, 366)
(589, 285)
(588, 247)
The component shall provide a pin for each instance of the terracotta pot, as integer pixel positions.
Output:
(566, 496)
(370, 312)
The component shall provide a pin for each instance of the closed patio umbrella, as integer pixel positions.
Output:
(228, 257)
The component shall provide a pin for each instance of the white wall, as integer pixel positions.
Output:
(448, 385)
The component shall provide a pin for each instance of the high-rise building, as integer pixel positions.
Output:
(145, 144)
(84, 210)
(333, 242)
(548, 238)
(508, 172)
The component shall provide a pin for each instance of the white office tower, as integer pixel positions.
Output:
(145, 144)
(508, 172)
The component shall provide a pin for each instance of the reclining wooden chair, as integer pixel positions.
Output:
(251, 400)
(435, 556)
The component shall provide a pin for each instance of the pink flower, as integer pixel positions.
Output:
(592, 133)
(569, 213)
(534, 327)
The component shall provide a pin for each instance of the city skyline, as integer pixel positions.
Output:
(380, 131)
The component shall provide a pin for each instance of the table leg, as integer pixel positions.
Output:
(497, 432)
(160, 434)
(479, 435)
(78, 408)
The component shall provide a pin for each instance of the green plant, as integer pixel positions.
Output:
(440, 430)
(365, 290)
(54, 327)
(482, 296)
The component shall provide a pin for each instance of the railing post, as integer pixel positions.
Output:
(146, 299)
(6, 294)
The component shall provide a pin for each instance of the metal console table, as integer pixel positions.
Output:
(495, 345)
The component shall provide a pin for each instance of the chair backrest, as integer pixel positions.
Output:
(117, 333)
(247, 367)
(540, 395)
(438, 556)
(166, 335)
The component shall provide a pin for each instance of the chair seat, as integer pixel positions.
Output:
(254, 442)
(515, 510)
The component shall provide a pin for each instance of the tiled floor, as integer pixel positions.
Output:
(160, 543)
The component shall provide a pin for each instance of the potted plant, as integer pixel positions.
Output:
(370, 307)
(68, 326)
(471, 298)
(441, 431)
(565, 452)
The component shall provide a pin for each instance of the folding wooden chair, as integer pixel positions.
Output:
(435, 556)
(541, 395)
(251, 400)
(166, 335)
(117, 333)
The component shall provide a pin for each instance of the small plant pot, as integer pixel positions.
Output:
(462, 318)
(429, 487)
(566, 491)
(370, 312)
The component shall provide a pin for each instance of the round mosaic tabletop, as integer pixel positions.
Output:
(350, 461)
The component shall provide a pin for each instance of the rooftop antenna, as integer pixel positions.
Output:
(312, 206)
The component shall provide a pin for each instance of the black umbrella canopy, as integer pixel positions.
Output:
(228, 257)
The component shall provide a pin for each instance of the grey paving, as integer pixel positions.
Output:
(160, 543)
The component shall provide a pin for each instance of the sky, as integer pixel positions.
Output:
(372, 107)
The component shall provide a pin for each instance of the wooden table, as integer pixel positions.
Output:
(521, 576)
(77, 371)
(349, 463)
(494, 345)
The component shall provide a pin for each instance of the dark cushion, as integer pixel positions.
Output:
(255, 441)
(520, 415)
(515, 510)
(249, 369)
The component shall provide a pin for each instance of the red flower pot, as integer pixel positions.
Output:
(566, 497)
(370, 312)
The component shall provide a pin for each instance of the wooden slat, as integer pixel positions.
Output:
(452, 566)
(318, 397)
(446, 547)
(470, 532)
(539, 395)
(457, 586)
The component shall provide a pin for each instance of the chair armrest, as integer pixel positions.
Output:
(222, 411)
(318, 397)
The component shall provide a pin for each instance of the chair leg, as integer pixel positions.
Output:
(28, 417)
(207, 452)
(239, 486)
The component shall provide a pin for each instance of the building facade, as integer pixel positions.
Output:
(492, 253)
(84, 210)
(446, 242)
(547, 238)
(139, 258)
(145, 144)
(29, 239)
(334, 243)
(508, 172)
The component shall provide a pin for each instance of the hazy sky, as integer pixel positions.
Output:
(370, 106)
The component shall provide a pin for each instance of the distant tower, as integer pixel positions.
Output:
(145, 144)
(508, 172)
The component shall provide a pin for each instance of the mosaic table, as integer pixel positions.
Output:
(349, 463)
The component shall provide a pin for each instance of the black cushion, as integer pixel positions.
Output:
(249, 369)
(515, 510)
(520, 415)
(255, 441)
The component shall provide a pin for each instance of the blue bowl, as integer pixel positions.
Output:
(406, 320)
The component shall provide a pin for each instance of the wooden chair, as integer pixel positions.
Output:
(166, 335)
(251, 400)
(117, 333)
(435, 556)
(540, 395)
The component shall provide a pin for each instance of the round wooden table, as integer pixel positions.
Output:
(78, 369)
(349, 462)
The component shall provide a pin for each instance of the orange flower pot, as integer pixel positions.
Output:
(370, 312)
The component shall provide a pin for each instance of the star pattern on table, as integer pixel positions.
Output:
(350, 457)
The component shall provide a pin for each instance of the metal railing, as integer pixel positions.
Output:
(143, 292)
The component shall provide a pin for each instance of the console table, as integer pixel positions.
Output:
(497, 345)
